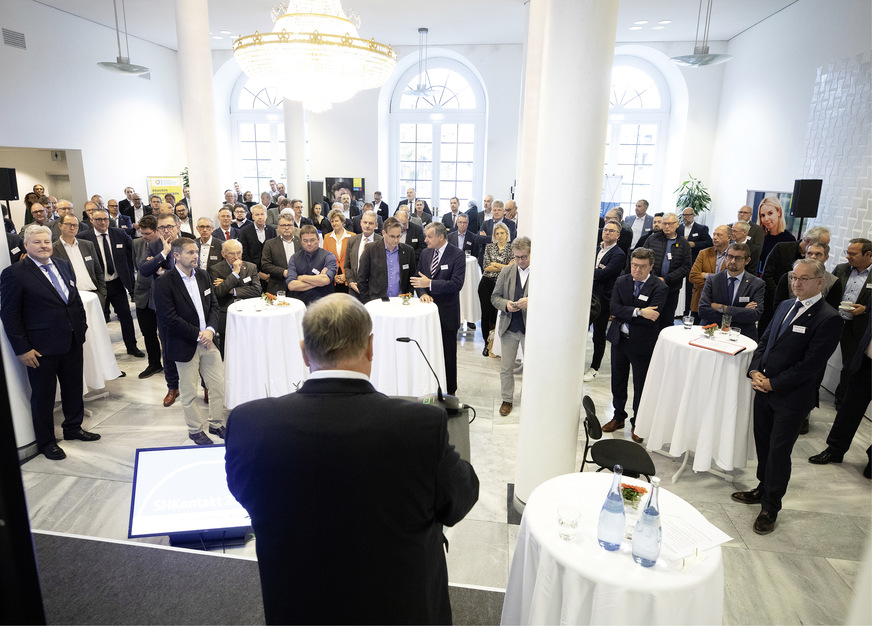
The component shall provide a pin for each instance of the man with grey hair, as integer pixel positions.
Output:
(356, 247)
(82, 256)
(278, 251)
(412, 235)
(510, 297)
(803, 334)
(673, 260)
(399, 474)
(64, 207)
(210, 247)
(232, 279)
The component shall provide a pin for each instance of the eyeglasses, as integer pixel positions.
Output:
(800, 279)
(99, 219)
(610, 230)
(733, 257)
(166, 227)
(522, 258)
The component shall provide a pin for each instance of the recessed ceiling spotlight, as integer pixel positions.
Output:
(217, 37)
(640, 22)
(664, 22)
(658, 27)
(225, 32)
(635, 28)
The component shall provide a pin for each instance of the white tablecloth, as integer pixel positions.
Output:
(698, 400)
(398, 369)
(470, 307)
(555, 582)
(262, 355)
(99, 358)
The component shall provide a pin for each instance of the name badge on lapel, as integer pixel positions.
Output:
(87, 258)
(119, 245)
(406, 266)
(799, 329)
(744, 299)
(207, 292)
(247, 279)
(72, 283)
(643, 297)
(601, 266)
(669, 255)
(695, 235)
(213, 258)
(315, 272)
(443, 267)
(414, 241)
(17, 250)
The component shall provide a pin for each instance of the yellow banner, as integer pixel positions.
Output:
(162, 185)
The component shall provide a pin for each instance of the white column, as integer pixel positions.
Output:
(195, 88)
(295, 152)
(576, 61)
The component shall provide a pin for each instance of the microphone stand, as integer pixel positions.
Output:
(450, 403)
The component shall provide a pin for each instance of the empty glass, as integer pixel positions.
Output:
(280, 295)
(237, 304)
(734, 334)
(567, 522)
(258, 305)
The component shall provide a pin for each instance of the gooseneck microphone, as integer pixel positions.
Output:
(451, 404)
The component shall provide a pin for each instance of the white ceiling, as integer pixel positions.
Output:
(451, 22)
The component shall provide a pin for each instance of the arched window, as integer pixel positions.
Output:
(258, 128)
(638, 121)
(437, 123)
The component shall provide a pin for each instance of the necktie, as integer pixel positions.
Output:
(788, 318)
(637, 288)
(226, 235)
(54, 281)
(434, 266)
(732, 290)
(107, 252)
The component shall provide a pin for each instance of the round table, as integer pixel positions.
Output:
(97, 354)
(262, 356)
(470, 307)
(398, 369)
(698, 400)
(552, 581)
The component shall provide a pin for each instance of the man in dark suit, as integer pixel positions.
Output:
(672, 264)
(463, 238)
(637, 299)
(44, 320)
(380, 206)
(409, 202)
(127, 201)
(299, 220)
(608, 265)
(226, 230)
(252, 238)
(384, 271)
(145, 314)
(733, 292)
(188, 310)
(626, 236)
(419, 216)
(355, 221)
(135, 210)
(394, 467)
(640, 222)
(210, 247)
(277, 252)
(441, 273)
(854, 285)
(121, 221)
(356, 247)
(450, 218)
(698, 238)
(16, 248)
(498, 213)
(472, 214)
(803, 334)
(232, 278)
(115, 254)
(755, 231)
(82, 256)
(412, 235)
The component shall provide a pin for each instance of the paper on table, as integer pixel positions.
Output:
(682, 538)
(716, 345)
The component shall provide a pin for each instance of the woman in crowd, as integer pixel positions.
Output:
(318, 220)
(30, 199)
(496, 256)
(247, 201)
(770, 216)
(337, 242)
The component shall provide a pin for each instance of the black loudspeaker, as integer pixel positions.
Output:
(8, 184)
(806, 196)
(315, 188)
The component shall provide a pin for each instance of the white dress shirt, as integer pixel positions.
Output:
(193, 289)
(83, 277)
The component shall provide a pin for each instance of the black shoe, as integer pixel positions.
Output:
(220, 431)
(134, 351)
(827, 456)
(765, 523)
(470, 326)
(803, 430)
(151, 370)
(81, 435)
(747, 497)
(485, 352)
(200, 438)
(123, 374)
(53, 452)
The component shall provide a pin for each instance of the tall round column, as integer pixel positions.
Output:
(569, 151)
(295, 152)
(195, 88)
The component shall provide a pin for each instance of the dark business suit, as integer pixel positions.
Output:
(472, 214)
(791, 360)
(251, 245)
(92, 264)
(415, 239)
(35, 317)
(679, 270)
(356, 228)
(488, 228)
(246, 286)
(352, 259)
(130, 212)
(16, 248)
(635, 348)
(445, 291)
(125, 223)
(449, 220)
(274, 261)
(145, 316)
(219, 234)
(411, 209)
(699, 236)
(386, 459)
(779, 262)
(214, 252)
(149, 269)
(854, 328)
(372, 274)
(749, 289)
(604, 276)
(382, 209)
(469, 241)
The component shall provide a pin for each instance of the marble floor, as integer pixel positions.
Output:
(804, 572)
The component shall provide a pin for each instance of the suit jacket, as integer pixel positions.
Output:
(16, 248)
(382, 209)
(448, 220)
(352, 256)
(405, 202)
(646, 228)
(415, 239)
(142, 286)
(372, 274)
(357, 229)
(469, 241)
(830, 290)
(706, 263)
(34, 315)
(55, 227)
(793, 361)
(422, 220)
(699, 236)
(504, 292)
(748, 289)
(679, 265)
(854, 327)
(122, 253)
(274, 261)
(176, 313)
(246, 286)
(756, 235)
(472, 214)
(219, 234)
(252, 248)
(387, 459)
(488, 228)
(445, 286)
(125, 208)
(606, 273)
(214, 252)
(643, 332)
(92, 264)
(125, 223)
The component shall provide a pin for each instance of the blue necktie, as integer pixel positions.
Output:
(637, 288)
(732, 289)
(54, 281)
(788, 318)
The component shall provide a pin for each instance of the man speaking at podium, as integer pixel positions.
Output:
(347, 489)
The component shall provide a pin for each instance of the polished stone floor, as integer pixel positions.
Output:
(804, 572)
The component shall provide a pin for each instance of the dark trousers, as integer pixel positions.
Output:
(116, 295)
(171, 372)
(488, 312)
(449, 325)
(848, 348)
(600, 324)
(857, 397)
(65, 369)
(148, 326)
(775, 432)
(667, 315)
(623, 358)
(688, 295)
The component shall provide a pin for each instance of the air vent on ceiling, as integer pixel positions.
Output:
(14, 39)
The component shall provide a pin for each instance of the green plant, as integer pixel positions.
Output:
(692, 193)
(184, 175)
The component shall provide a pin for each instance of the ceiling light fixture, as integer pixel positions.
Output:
(658, 27)
(640, 22)
(664, 22)
(635, 28)
(122, 64)
(225, 32)
(701, 56)
(422, 89)
(314, 55)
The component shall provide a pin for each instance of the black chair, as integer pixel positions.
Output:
(634, 458)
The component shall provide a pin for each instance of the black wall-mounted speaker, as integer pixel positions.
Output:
(8, 184)
(806, 197)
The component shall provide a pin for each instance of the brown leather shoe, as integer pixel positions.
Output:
(171, 396)
(635, 438)
(505, 408)
(765, 523)
(206, 396)
(613, 425)
(747, 497)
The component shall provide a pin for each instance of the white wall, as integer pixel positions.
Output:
(57, 97)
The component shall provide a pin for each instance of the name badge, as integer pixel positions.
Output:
(643, 297)
(868, 286)
(799, 329)
(443, 267)
(669, 255)
(247, 279)
(87, 258)
(695, 235)
(406, 266)
(414, 241)
(119, 245)
(207, 292)
(601, 266)
(315, 272)
(72, 284)
(647, 230)
(213, 258)
(17, 250)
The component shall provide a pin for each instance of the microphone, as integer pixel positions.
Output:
(450, 403)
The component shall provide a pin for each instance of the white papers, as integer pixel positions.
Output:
(682, 538)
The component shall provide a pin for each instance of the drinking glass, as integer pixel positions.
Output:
(726, 321)
(237, 304)
(734, 334)
(258, 305)
(567, 521)
(688, 322)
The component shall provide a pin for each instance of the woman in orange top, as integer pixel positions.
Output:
(337, 242)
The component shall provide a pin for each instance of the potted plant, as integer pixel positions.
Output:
(692, 193)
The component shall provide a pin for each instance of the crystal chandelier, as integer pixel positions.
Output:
(314, 55)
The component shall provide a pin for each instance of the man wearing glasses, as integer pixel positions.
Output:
(734, 292)
(115, 254)
(673, 260)
(609, 263)
(803, 334)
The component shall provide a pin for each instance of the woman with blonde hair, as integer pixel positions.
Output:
(497, 255)
(337, 243)
(770, 216)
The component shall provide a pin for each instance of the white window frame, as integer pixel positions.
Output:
(274, 116)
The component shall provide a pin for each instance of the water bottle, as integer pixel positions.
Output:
(648, 533)
(610, 531)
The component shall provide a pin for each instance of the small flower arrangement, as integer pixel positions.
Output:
(269, 298)
(406, 297)
(632, 493)
(710, 329)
